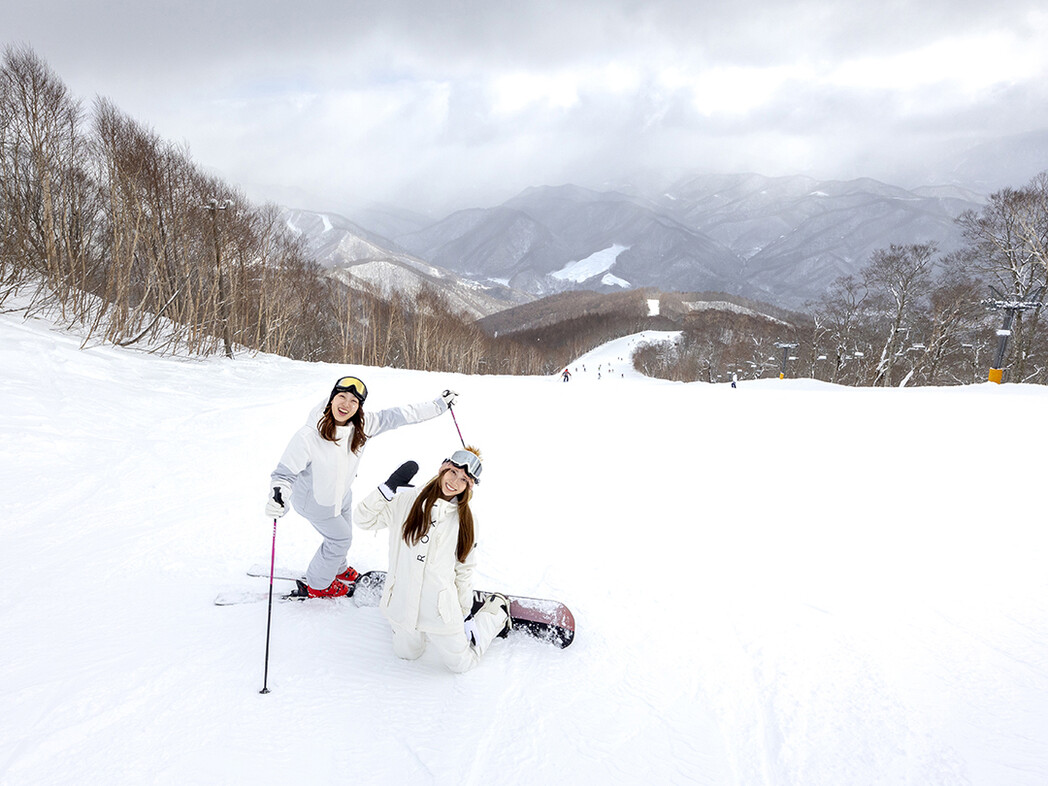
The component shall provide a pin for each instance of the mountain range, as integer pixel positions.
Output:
(358, 255)
(781, 240)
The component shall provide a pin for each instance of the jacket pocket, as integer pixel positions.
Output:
(447, 605)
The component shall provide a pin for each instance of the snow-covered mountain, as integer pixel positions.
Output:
(795, 235)
(336, 241)
(534, 240)
(781, 240)
(355, 254)
(767, 588)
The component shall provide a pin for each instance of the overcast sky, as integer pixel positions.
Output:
(439, 104)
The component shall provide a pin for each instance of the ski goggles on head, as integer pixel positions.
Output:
(351, 385)
(468, 462)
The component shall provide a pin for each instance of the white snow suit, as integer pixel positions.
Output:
(321, 473)
(428, 592)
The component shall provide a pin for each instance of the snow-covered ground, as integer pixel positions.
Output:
(614, 359)
(787, 583)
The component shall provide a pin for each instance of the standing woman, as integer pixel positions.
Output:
(428, 594)
(315, 474)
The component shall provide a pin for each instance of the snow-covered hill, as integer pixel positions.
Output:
(788, 583)
(355, 255)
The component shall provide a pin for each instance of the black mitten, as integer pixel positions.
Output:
(401, 477)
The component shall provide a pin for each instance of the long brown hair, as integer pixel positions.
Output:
(327, 425)
(416, 526)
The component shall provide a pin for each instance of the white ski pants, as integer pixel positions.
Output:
(455, 650)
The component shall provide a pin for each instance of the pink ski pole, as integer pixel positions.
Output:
(452, 411)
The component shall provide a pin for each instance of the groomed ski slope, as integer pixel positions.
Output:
(787, 583)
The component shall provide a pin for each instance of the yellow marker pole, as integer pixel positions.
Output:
(996, 374)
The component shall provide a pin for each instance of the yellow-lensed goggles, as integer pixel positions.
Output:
(351, 385)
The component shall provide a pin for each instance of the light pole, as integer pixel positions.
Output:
(213, 206)
(1010, 307)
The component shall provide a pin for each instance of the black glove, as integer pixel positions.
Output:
(401, 477)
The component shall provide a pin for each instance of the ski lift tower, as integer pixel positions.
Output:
(1010, 307)
(785, 356)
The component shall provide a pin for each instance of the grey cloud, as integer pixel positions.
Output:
(341, 102)
(195, 34)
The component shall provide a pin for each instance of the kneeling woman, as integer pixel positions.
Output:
(429, 586)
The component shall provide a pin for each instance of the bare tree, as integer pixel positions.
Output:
(897, 277)
(1032, 220)
(843, 310)
(45, 192)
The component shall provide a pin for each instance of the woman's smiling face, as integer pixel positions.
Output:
(453, 481)
(343, 407)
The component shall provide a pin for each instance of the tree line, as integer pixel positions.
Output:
(910, 316)
(106, 226)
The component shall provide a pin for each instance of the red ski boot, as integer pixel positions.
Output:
(336, 590)
(349, 575)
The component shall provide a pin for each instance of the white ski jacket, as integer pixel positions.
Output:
(427, 588)
(321, 473)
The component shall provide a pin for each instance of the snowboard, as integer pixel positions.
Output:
(548, 620)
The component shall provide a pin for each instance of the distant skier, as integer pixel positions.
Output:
(317, 469)
(565, 375)
(428, 595)
(734, 378)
